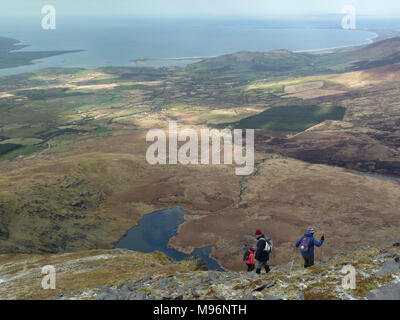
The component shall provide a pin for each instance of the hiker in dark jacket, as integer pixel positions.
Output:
(248, 259)
(262, 255)
(307, 243)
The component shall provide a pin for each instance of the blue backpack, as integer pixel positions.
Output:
(305, 244)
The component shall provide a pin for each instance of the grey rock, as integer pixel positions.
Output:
(107, 296)
(164, 284)
(252, 275)
(195, 293)
(127, 286)
(131, 296)
(141, 295)
(106, 293)
(266, 286)
(389, 266)
(301, 296)
(389, 292)
(172, 296)
(60, 296)
(146, 278)
(247, 297)
(212, 275)
(220, 296)
(270, 297)
(124, 293)
(202, 287)
(191, 283)
(387, 255)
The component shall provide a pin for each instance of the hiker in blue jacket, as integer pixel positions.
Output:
(307, 243)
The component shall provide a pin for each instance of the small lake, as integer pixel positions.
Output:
(375, 175)
(154, 232)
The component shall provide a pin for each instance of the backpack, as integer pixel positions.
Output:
(246, 255)
(305, 244)
(249, 256)
(268, 245)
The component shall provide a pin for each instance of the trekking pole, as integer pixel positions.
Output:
(320, 257)
(294, 257)
(322, 249)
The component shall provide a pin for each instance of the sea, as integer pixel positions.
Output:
(120, 41)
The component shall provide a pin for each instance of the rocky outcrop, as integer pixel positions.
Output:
(389, 292)
(127, 275)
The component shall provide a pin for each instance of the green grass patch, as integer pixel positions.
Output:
(8, 147)
(22, 151)
(292, 118)
(22, 141)
(133, 87)
(100, 130)
(39, 94)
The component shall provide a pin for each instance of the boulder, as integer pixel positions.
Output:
(265, 286)
(247, 297)
(387, 255)
(389, 292)
(389, 266)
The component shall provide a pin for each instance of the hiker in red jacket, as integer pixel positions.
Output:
(248, 259)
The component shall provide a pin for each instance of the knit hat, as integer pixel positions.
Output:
(258, 233)
(310, 230)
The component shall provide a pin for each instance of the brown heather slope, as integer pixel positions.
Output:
(284, 197)
(89, 199)
(367, 140)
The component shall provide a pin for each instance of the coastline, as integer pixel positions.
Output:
(378, 35)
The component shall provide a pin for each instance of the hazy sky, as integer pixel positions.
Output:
(198, 7)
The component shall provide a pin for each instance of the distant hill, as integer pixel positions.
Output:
(248, 66)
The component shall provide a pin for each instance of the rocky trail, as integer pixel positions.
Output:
(127, 275)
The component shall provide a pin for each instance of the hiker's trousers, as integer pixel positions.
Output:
(308, 261)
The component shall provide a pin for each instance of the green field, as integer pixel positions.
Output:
(292, 118)
(8, 147)
(215, 92)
